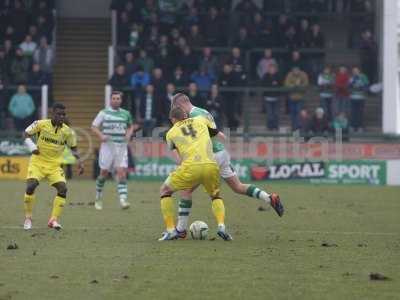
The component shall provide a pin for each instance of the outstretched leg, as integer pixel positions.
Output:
(29, 201)
(58, 205)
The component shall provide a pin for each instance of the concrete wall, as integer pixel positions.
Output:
(83, 8)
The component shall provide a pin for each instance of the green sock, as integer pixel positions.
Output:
(100, 181)
(122, 188)
(255, 192)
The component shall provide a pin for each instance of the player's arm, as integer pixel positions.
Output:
(31, 130)
(96, 127)
(129, 132)
(176, 156)
(75, 153)
(175, 153)
(221, 136)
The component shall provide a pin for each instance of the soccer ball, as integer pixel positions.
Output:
(199, 230)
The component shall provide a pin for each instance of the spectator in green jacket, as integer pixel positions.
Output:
(22, 108)
(358, 85)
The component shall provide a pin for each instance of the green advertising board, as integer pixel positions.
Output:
(13, 147)
(333, 172)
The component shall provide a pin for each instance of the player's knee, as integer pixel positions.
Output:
(165, 191)
(62, 190)
(31, 187)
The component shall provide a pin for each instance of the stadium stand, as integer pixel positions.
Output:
(193, 39)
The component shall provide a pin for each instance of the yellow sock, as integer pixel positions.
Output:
(168, 212)
(29, 200)
(218, 209)
(58, 206)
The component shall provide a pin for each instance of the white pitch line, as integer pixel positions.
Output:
(267, 231)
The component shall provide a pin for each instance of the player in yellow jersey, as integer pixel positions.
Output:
(190, 137)
(52, 135)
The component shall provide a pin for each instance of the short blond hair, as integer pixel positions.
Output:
(177, 113)
(179, 97)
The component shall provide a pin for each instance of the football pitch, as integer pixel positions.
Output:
(325, 247)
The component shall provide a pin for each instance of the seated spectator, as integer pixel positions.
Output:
(245, 9)
(191, 16)
(194, 95)
(130, 64)
(326, 82)
(194, 38)
(272, 80)
(214, 105)
(28, 46)
(22, 108)
(342, 80)
(145, 62)
(3, 66)
(255, 28)
(37, 78)
(10, 34)
(317, 38)
(45, 27)
(267, 36)
(188, 61)
(296, 60)
(19, 20)
(134, 36)
(208, 62)
(304, 123)
(44, 56)
(237, 62)
(33, 32)
(265, 62)
(341, 123)
(274, 5)
(359, 86)
(19, 67)
(119, 80)
(151, 39)
(319, 124)
(165, 61)
(139, 80)
(178, 78)
(148, 110)
(243, 40)
(9, 51)
(124, 27)
(298, 81)
(203, 80)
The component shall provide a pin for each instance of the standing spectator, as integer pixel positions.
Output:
(298, 81)
(342, 90)
(130, 64)
(21, 108)
(19, 67)
(317, 38)
(3, 66)
(10, 34)
(296, 60)
(165, 61)
(44, 56)
(145, 62)
(188, 61)
(119, 80)
(19, 20)
(134, 36)
(208, 62)
(123, 29)
(268, 36)
(359, 86)
(213, 28)
(159, 83)
(369, 56)
(319, 123)
(290, 40)
(265, 62)
(282, 27)
(139, 80)
(33, 32)
(194, 95)
(272, 80)
(28, 46)
(303, 35)
(255, 29)
(326, 83)
(147, 110)
(178, 78)
(245, 9)
(171, 89)
(37, 78)
(243, 40)
(239, 72)
(195, 39)
(214, 105)
(203, 80)
(226, 80)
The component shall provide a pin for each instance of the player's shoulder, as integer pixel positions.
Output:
(198, 111)
(125, 112)
(43, 122)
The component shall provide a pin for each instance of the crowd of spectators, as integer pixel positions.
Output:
(26, 58)
(167, 45)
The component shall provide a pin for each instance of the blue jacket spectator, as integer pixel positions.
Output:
(140, 79)
(21, 108)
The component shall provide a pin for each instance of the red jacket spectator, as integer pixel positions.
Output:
(342, 82)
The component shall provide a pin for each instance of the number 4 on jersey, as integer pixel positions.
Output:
(189, 131)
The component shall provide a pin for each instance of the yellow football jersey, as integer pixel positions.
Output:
(191, 138)
(51, 141)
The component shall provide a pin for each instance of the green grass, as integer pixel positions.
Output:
(270, 258)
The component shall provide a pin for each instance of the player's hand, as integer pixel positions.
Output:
(36, 152)
(104, 138)
(81, 168)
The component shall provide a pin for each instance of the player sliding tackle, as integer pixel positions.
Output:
(225, 168)
(47, 155)
(190, 137)
(114, 127)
